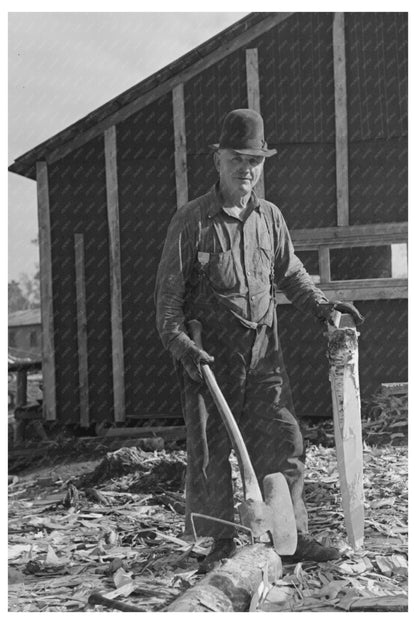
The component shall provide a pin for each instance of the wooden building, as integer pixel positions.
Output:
(332, 89)
(25, 333)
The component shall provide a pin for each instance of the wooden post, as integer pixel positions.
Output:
(82, 330)
(21, 387)
(399, 260)
(343, 375)
(115, 273)
(46, 292)
(253, 96)
(181, 173)
(324, 265)
(341, 119)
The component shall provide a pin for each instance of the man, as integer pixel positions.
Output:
(225, 254)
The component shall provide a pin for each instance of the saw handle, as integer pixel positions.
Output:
(249, 479)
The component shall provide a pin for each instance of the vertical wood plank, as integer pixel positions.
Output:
(253, 96)
(253, 84)
(324, 265)
(81, 329)
(46, 290)
(341, 119)
(179, 129)
(21, 388)
(399, 260)
(110, 147)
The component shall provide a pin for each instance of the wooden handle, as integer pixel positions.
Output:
(249, 479)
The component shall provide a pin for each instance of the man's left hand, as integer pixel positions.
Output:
(326, 310)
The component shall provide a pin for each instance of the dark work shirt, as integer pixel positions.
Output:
(237, 259)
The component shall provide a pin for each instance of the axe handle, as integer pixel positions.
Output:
(250, 483)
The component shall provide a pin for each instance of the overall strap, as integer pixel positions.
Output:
(268, 217)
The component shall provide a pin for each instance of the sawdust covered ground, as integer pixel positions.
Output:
(113, 523)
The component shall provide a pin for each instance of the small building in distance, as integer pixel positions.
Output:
(25, 333)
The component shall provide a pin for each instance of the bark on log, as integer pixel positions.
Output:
(231, 586)
(381, 603)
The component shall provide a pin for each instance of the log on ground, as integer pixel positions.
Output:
(232, 584)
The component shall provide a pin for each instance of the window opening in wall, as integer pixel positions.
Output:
(372, 262)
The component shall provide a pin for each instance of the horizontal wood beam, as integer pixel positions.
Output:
(153, 416)
(54, 152)
(350, 236)
(360, 290)
(171, 433)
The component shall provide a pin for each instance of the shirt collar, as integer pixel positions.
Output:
(217, 203)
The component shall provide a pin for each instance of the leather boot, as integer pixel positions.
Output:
(309, 549)
(221, 549)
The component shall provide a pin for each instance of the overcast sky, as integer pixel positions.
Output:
(64, 65)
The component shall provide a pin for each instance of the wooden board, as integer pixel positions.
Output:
(343, 375)
(324, 264)
(341, 119)
(253, 97)
(46, 294)
(350, 236)
(82, 335)
(360, 290)
(153, 416)
(171, 433)
(399, 260)
(115, 273)
(399, 388)
(181, 176)
(21, 388)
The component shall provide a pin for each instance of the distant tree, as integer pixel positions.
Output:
(31, 288)
(36, 277)
(17, 300)
(25, 294)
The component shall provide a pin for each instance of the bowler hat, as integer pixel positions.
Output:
(243, 132)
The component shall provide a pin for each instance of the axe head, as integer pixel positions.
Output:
(275, 515)
(255, 515)
(283, 522)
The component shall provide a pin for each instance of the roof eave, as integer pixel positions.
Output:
(25, 164)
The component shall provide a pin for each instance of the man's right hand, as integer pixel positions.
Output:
(192, 359)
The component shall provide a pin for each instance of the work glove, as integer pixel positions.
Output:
(326, 309)
(192, 359)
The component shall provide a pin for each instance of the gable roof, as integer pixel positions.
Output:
(103, 117)
(25, 317)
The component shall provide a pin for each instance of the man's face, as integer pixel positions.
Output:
(239, 173)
